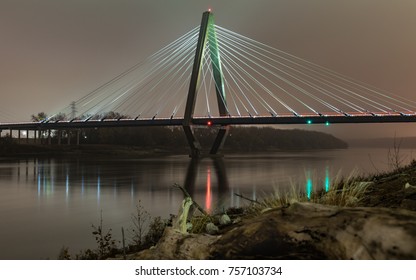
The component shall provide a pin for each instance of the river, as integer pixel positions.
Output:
(46, 204)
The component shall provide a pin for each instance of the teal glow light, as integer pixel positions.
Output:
(67, 184)
(327, 123)
(39, 184)
(309, 121)
(327, 181)
(98, 187)
(309, 188)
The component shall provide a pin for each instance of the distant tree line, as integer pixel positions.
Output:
(264, 138)
(239, 139)
(42, 116)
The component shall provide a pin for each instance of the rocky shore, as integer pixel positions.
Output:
(299, 231)
(376, 222)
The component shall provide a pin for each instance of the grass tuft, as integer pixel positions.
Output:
(343, 192)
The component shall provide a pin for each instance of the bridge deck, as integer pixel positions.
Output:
(220, 121)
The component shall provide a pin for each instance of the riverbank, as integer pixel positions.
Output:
(116, 151)
(32, 150)
(359, 218)
(140, 141)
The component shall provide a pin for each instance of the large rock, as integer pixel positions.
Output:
(210, 228)
(224, 220)
(301, 231)
(176, 245)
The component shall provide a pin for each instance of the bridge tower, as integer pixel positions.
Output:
(206, 32)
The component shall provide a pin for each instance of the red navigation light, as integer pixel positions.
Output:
(209, 123)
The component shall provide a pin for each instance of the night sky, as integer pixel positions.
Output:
(53, 52)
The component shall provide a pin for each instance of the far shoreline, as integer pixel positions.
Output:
(124, 151)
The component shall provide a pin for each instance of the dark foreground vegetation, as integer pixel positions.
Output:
(371, 217)
(151, 140)
(143, 233)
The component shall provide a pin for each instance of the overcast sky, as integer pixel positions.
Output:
(55, 51)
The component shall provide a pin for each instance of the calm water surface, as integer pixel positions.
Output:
(49, 203)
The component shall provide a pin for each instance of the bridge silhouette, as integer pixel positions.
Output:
(215, 77)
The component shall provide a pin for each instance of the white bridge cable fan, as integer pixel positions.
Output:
(156, 86)
(257, 80)
(281, 83)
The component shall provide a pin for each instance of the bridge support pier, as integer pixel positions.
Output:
(192, 141)
(219, 140)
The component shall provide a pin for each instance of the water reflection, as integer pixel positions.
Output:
(56, 200)
(98, 187)
(208, 196)
(219, 180)
(82, 179)
(45, 179)
(312, 179)
(205, 179)
(309, 184)
(67, 184)
(327, 180)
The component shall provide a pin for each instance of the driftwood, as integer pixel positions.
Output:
(185, 212)
(300, 231)
(186, 194)
(246, 198)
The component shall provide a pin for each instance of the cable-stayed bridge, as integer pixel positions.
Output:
(216, 77)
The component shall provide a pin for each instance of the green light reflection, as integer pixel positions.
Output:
(309, 185)
(323, 180)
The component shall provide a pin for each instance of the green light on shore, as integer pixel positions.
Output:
(309, 121)
(327, 123)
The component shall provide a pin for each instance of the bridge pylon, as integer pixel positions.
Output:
(206, 32)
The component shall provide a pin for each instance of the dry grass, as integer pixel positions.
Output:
(343, 192)
(281, 198)
(199, 223)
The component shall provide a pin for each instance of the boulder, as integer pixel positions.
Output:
(224, 220)
(210, 228)
(175, 245)
(314, 231)
(300, 231)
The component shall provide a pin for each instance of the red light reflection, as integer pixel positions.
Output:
(208, 196)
